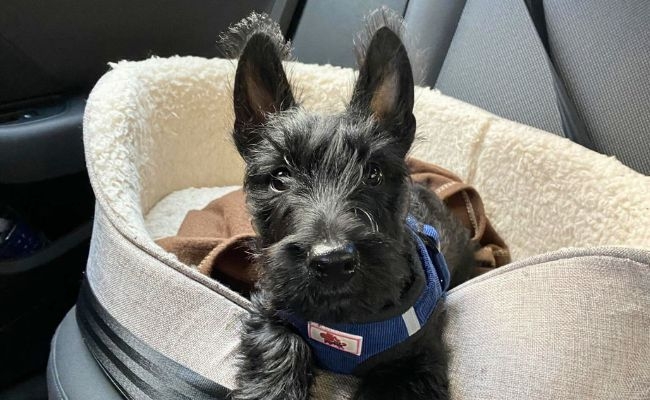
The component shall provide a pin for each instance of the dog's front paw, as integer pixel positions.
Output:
(269, 386)
(421, 376)
(402, 391)
(275, 363)
(274, 381)
(262, 391)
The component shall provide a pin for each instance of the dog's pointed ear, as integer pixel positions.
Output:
(384, 88)
(261, 88)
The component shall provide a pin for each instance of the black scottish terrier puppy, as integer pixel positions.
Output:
(352, 272)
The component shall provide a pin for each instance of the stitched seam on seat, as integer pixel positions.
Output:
(476, 149)
(55, 369)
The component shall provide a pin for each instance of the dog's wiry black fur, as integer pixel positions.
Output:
(307, 182)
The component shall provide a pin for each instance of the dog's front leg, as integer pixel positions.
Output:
(417, 377)
(276, 362)
(417, 371)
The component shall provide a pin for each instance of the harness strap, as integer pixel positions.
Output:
(427, 239)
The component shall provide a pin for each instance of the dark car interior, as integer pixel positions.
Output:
(576, 69)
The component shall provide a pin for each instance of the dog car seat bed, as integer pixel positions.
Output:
(569, 318)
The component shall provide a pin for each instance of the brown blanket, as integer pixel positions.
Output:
(219, 239)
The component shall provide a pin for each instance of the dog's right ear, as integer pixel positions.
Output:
(261, 88)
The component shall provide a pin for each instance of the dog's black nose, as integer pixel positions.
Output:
(334, 262)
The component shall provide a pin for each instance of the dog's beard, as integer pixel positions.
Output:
(380, 279)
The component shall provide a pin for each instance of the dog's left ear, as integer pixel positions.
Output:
(261, 88)
(384, 88)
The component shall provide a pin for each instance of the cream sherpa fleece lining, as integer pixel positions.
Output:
(168, 123)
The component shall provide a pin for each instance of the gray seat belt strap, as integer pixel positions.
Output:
(572, 125)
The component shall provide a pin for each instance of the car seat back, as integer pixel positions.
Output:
(489, 54)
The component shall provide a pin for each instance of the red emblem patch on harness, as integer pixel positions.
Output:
(336, 339)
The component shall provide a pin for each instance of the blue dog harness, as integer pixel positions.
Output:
(341, 348)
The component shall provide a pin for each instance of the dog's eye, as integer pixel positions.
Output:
(279, 179)
(373, 175)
